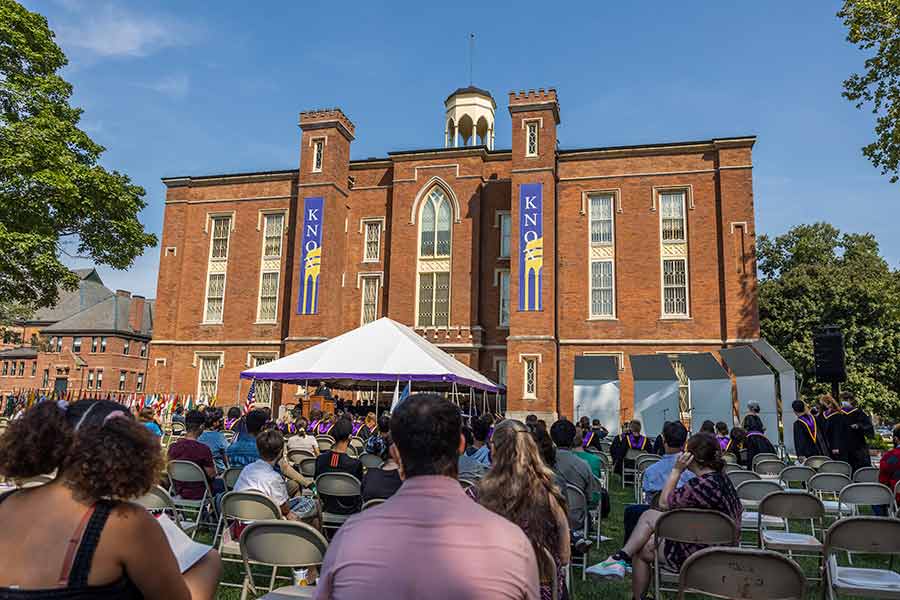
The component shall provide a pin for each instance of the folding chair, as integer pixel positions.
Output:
(605, 468)
(768, 467)
(730, 459)
(740, 476)
(827, 486)
(230, 477)
(177, 429)
(690, 526)
(751, 493)
(741, 573)
(864, 494)
(337, 485)
(631, 457)
(158, 501)
(596, 514)
(866, 475)
(36, 481)
(241, 509)
(868, 535)
(796, 474)
(308, 467)
(576, 500)
(547, 572)
(295, 456)
(814, 462)
(371, 461)
(191, 511)
(281, 544)
(371, 503)
(358, 444)
(229, 435)
(788, 506)
(640, 465)
(466, 484)
(352, 452)
(764, 456)
(836, 466)
(326, 442)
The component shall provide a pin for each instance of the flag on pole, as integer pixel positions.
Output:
(400, 396)
(249, 403)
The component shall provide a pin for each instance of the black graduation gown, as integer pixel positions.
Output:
(757, 444)
(658, 447)
(833, 425)
(805, 445)
(858, 426)
(620, 447)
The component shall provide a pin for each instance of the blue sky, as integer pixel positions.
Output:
(174, 88)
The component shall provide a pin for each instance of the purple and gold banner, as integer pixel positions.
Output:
(311, 255)
(531, 246)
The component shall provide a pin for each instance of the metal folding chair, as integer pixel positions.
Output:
(868, 535)
(751, 493)
(371, 461)
(192, 512)
(796, 474)
(768, 467)
(576, 500)
(740, 476)
(836, 466)
(741, 573)
(239, 509)
(866, 475)
(230, 477)
(326, 442)
(814, 462)
(764, 456)
(280, 544)
(337, 485)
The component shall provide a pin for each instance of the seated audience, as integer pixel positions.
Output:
(674, 436)
(148, 418)
(369, 426)
(531, 422)
(213, 437)
(101, 457)
(708, 427)
(574, 470)
(889, 468)
(242, 450)
(480, 430)
(592, 436)
(378, 442)
(178, 414)
(710, 489)
(631, 439)
(337, 460)
(233, 421)
(521, 488)
(469, 468)
(756, 441)
(723, 437)
(429, 522)
(190, 449)
(261, 476)
(382, 483)
(302, 440)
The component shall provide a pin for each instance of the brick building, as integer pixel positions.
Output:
(515, 261)
(92, 339)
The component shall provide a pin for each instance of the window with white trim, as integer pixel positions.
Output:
(46, 378)
(503, 281)
(268, 297)
(221, 229)
(34, 368)
(434, 225)
(103, 344)
(529, 377)
(505, 232)
(318, 155)
(143, 349)
(123, 379)
(90, 379)
(501, 371)
(675, 287)
(372, 232)
(273, 233)
(139, 383)
(209, 377)
(262, 390)
(53, 344)
(602, 288)
(531, 138)
(270, 274)
(126, 347)
(434, 299)
(601, 208)
(369, 297)
(94, 342)
(215, 279)
(99, 379)
(22, 368)
(76, 345)
(671, 206)
(215, 298)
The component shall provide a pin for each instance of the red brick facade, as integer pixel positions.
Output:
(714, 178)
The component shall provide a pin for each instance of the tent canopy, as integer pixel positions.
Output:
(381, 351)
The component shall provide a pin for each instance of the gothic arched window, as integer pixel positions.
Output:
(434, 232)
(435, 220)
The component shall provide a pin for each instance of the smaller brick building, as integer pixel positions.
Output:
(92, 339)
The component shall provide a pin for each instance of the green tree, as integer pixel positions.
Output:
(874, 26)
(55, 197)
(813, 276)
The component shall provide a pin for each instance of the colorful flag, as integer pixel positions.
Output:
(249, 403)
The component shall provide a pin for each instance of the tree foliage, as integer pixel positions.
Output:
(55, 197)
(874, 26)
(814, 275)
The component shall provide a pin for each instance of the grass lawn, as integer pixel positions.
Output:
(587, 590)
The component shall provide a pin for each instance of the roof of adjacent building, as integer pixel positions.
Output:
(89, 292)
(21, 352)
(107, 316)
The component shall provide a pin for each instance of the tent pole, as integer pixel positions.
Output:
(377, 398)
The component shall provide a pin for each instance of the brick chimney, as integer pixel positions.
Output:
(136, 312)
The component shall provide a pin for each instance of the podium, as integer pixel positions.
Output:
(310, 403)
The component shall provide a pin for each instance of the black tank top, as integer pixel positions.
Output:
(76, 587)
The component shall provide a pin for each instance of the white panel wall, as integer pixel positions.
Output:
(710, 400)
(760, 389)
(655, 402)
(599, 400)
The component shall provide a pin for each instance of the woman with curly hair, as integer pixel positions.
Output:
(78, 537)
(520, 487)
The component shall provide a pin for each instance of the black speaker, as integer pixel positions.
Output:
(828, 349)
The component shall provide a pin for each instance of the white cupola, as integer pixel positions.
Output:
(469, 120)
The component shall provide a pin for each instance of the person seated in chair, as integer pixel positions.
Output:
(261, 476)
(213, 437)
(573, 470)
(336, 460)
(631, 439)
(382, 483)
(189, 449)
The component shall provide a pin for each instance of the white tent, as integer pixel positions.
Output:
(383, 350)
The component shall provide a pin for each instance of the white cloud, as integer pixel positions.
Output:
(175, 85)
(109, 31)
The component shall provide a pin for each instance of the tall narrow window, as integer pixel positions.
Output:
(215, 298)
(262, 389)
(99, 379)
(435, 224)
(273, 231)
(94, 342)
(369, 298)
(505, 232)
(76, 345)
(22, 368)
(143, 349)
(318, 155)
(531, 138)
(434, 264)
(221, 230)
(434, 299)
(53, 344)
(602, 303)
(139, 383)
(209, 377)
(5, 368)
(602, 219)
(504, 298)
(46, 378)
(126, 347)
(272, 235)
(103, 344)
(529, 387)
(123, 378)
(373, 241)
(90, 380)
(672, 213)
(675, 287)
(34, 368)
(268, 297)
(501, 371)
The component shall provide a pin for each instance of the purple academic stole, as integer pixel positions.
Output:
(724, 442)
(810, 425)
(356, 428)
(312, 426)
(230, 423)
(587, 439)
(632, 442)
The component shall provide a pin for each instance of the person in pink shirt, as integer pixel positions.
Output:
(429, 540)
